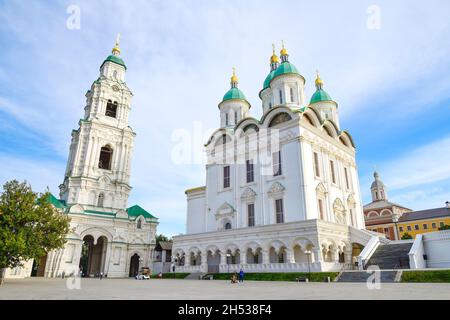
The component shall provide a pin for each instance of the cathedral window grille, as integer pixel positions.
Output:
(347, 181)
(101, 197)
(332, 170)
(281, 257)
(235, 117)
(139, 224)
(279, 210)
(226, 176)
(250, 171)
(276, 163)
(105, 158)
(316, 164)
(281, 97)
(227, 226)
(321, 211)
(111, 109)
(291, 91)
(251, 214)
(226, 119)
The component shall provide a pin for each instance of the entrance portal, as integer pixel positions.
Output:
(92, 260)
(38, 269)
(134, 265)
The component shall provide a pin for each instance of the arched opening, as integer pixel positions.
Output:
(139, 224)
(92, 258)
(111, 109)
(134, 265)
(277, 256)
(38, 269)
(328, 131)
(279, 118)
(213, 258)
(105, 158)
(227, 226)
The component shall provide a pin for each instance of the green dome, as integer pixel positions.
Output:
(234, 93)
(115, 59)
(320, 95)
(268, 79)
(285, 68)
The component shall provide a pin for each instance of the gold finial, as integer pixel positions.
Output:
(234, 78)
(318, 81)
(116, 49)
(283, 51)
(274, 58)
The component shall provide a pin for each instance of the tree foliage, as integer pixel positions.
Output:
(30, 226)
(161, 237)
(406, 236)
(444, 227)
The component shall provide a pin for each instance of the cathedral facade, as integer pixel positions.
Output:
(107, 236)
(282, 192)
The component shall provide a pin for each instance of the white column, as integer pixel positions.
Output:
(265, 257)
(223, 257)
(243, 256)
(187, 259)
(204, 261)
(290, 258)
(317, 255)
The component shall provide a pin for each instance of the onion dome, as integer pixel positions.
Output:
(234, 92)
(377, 183)
(114, 57)
(320, 94)
(285, 67)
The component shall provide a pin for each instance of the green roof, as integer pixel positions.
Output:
(285, 68)
(116, 60)
(234, 93)
(60, 204)
(100, 212)
(320, 95)
(136, 211)
(268, 79)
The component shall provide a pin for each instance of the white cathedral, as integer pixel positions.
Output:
(107, 236)
(302, 212)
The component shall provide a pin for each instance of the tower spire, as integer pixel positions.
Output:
(234, 79)
(274, 60)
(319, 82)
(116, 49)
(283, 53)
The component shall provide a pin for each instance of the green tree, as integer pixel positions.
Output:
(161, 237)
(444, 227)
(30, 226)
(406, 236)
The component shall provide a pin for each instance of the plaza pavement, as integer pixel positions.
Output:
(40, 288)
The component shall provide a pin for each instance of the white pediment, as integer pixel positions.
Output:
(276, 188)
(248, 193)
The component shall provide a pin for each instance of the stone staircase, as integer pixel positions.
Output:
(390, 256)
(195, 276)
(362, 276)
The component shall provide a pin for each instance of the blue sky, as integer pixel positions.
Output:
(392, 84)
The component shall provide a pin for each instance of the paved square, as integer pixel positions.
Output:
(40, 288)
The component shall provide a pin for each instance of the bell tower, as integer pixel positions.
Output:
(98, 168)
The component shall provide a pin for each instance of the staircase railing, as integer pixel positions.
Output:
(368, 251)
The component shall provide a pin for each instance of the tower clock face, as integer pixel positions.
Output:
(115, 88)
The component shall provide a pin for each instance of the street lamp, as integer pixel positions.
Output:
(308, 253)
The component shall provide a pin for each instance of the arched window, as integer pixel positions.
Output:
(291, 91)
(101, 197)
(281, 97)
(227, 226)
(235, 117)
(280, 118)
(226, 119)
(139, 224)
(105, 158)
(111, 109)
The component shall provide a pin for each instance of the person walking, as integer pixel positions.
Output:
(101, 275)
(241, 275)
